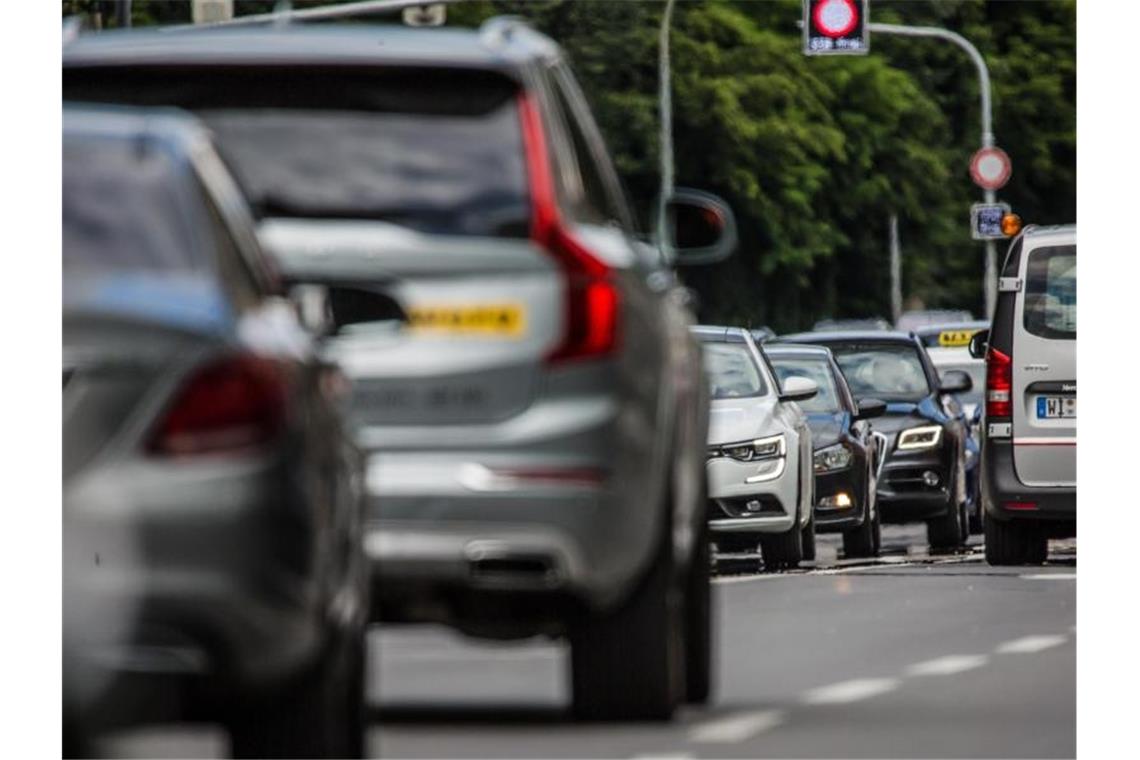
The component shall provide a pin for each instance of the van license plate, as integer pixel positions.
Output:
(1056, 407)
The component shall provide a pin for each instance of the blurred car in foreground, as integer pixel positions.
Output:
(923, 478)
(1029, 443)
(840, 325)
(760, 481)
(213, 563)
(524, 382)
(911, 321)
(846, 452)
(948, 348)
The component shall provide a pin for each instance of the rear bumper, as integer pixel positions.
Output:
(1000, 486)
(189, 570)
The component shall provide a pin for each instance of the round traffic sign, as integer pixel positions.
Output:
(990, 168)
(835, 18)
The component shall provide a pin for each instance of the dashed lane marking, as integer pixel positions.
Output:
(1050, 576)
(850, 691)
(736, 728)
(1030, 644)
(948, 665)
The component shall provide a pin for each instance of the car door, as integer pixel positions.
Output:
(1045, 365)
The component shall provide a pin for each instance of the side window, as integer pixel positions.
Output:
(588, 200)
(1051, 292)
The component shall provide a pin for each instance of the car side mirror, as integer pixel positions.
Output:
(870, 408)
(697, 228)
(955, 381)
(979, 342)
(798, 388)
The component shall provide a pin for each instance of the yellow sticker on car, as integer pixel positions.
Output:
(951, 338)
(486, 319)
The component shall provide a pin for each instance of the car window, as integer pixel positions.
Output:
(127, 207)
(891, 372)
(827, 399)
(1051, 292)
(435, 150)
(732, 371)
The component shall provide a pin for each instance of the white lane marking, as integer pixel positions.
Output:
(1030, 644)
(737, 728)
(849, 691)
(1050, 576)
(948, 665)
(664, 756)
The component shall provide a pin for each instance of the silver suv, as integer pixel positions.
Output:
(1029, 444)
(525, 383)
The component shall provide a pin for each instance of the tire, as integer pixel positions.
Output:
(699, 624)
(945, 533)
(808, 538)
(859, 543)
(319, 715)
(628, 664)
(878, 534)
(782, 551)
(1014, 543)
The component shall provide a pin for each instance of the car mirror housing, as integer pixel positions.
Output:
(979, 341)
(956, 381)
(870, 408)
(798, 389)
(698, 228)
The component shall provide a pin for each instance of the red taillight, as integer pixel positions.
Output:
(999, 384)
(592, 301)
(1020, 506)
(234, 403)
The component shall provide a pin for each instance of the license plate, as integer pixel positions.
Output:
(508, 320)
(1056, 407)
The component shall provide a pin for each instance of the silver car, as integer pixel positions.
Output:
(212, 496)
(1029, 433)
(761, 481)
(524, 382)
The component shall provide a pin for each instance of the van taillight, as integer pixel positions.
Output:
(232, 404)
(999, 384)
(591, 297)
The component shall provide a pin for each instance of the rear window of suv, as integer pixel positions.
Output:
(1051, 292)
(437, 151)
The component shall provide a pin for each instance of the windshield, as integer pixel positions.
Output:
(827, 399)
(891, 372)
(124, 209)
(732, 371)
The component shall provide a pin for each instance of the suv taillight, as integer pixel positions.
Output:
(592, 299)
(232, 404)
(999, 384)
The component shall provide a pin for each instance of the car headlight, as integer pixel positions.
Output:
(925, 437)
(832, 458)
(749, 451)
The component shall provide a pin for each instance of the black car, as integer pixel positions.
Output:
(212, 503)
(923, 477)
(846, 452)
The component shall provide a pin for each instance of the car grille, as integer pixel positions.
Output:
(909, 480)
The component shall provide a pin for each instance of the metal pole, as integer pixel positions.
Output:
(896, 271)
(665, 104)
(987, 124)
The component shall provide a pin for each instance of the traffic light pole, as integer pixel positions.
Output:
(987, 124)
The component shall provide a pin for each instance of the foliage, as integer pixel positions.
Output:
(815, 154)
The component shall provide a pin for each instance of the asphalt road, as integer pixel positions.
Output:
(912, 656)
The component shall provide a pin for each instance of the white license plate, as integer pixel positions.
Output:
(1056, 407)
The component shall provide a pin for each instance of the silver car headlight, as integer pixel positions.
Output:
(832, 458)
(917, 438)
(750, 451)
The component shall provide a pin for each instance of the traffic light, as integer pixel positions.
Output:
(835, 27)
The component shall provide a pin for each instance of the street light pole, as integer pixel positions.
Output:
(665, 104)
(987, 124)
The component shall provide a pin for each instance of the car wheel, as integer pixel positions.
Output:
(320, 714)
(1014, 543)
(698, 624)
(860, 542)
(782, 551)
(807, 540)
(945, 533)
(627, 664)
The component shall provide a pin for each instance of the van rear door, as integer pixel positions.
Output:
(1044, 392)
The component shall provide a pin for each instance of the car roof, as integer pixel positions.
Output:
(794, 349)
(881, 336)
(720, 334)
(501, 44)
(1059, 233)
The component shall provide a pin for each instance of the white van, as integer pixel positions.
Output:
(1029, 444)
